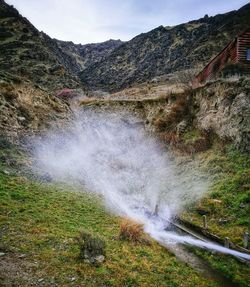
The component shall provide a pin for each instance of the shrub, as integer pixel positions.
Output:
(191, 142)
(233, 69)
(160, 124)
(91, 247)
(200, 144)
(170, 138)
(5, 143)
(131, 230)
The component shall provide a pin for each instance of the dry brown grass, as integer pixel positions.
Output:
(199, 145)
(148, 91)
(170, 138)
(132, 231)
(87, 101)
(176, 141)
(177, 113)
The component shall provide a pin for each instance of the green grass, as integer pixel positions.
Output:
(42, 220)
(228, 201)
(234, 270)
(227, 205)
(191, 136)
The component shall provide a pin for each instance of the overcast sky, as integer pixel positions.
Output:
(89, 21)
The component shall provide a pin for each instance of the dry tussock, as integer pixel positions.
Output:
(132, 231)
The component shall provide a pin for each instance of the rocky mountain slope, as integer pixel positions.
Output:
(47, 62)
(112, 65)
(24, 53)
(88, 54)
(33, 69)
(165, 50)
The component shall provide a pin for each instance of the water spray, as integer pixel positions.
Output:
(135, 176)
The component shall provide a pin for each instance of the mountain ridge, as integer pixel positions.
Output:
(166, 50)
(34, 56)
(112, 65)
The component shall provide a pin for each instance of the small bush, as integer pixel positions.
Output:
(191, 142)
(199, 145)
(5, 143)
(132, 231)
(160, 124)
(202, 144)
(91, 247)
(233, 69)
(170, 138)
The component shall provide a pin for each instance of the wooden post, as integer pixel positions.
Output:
(245, 239)
(156, 212)
(226, 242)
(204, 217)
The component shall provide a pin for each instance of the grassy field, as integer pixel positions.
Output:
(38, 225)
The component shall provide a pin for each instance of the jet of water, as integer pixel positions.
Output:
(114, 156)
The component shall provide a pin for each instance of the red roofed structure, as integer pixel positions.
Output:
(236, 52)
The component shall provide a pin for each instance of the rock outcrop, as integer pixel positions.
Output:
(220, 109)
(224, 108)
(89, 54)
(26, 109)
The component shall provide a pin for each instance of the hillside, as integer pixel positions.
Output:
(166, 50)
(40, 247)
(24, 53)
(33, 55)
(30, 73)
(209, 126)
(87, 55)
(112, 65)
(40, 220)
(33, 69)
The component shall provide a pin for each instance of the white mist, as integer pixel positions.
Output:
(114, 157)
